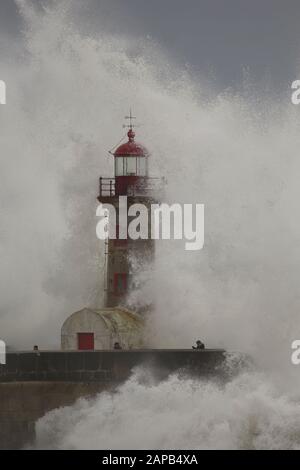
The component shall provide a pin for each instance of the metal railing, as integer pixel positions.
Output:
(141, 186)
(107, 186)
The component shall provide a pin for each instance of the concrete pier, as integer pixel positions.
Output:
(33, 383)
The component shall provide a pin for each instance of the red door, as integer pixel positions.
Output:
(85, 341)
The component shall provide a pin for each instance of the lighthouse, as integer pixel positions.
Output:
(127, 258)
(120, 321)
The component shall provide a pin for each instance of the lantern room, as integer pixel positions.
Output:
(131, 158)
(131, 176)
(131, 164)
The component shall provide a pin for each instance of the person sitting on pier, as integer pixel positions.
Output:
(36, 349)
(199, 345)
(117, 345)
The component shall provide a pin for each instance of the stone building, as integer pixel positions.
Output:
(90, 329)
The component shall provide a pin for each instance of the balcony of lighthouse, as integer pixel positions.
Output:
(151, 188)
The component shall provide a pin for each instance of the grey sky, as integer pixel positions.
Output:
(214, 37)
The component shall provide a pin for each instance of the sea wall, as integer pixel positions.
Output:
(32, 383)
(22, 403)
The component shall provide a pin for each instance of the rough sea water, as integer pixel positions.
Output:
(246, 413)
(68, 89)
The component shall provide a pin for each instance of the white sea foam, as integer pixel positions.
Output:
(246, 413)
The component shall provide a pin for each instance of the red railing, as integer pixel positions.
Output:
(109, 187)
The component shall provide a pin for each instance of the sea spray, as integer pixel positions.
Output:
(68, 94)
(179, 413)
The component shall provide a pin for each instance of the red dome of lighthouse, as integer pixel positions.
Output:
(131, 147)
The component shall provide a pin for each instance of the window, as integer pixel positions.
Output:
(120, 283)
(131, 165)
(119, 166)
(142, 166)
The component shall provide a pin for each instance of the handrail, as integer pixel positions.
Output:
(143, 185)
(107, 186)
